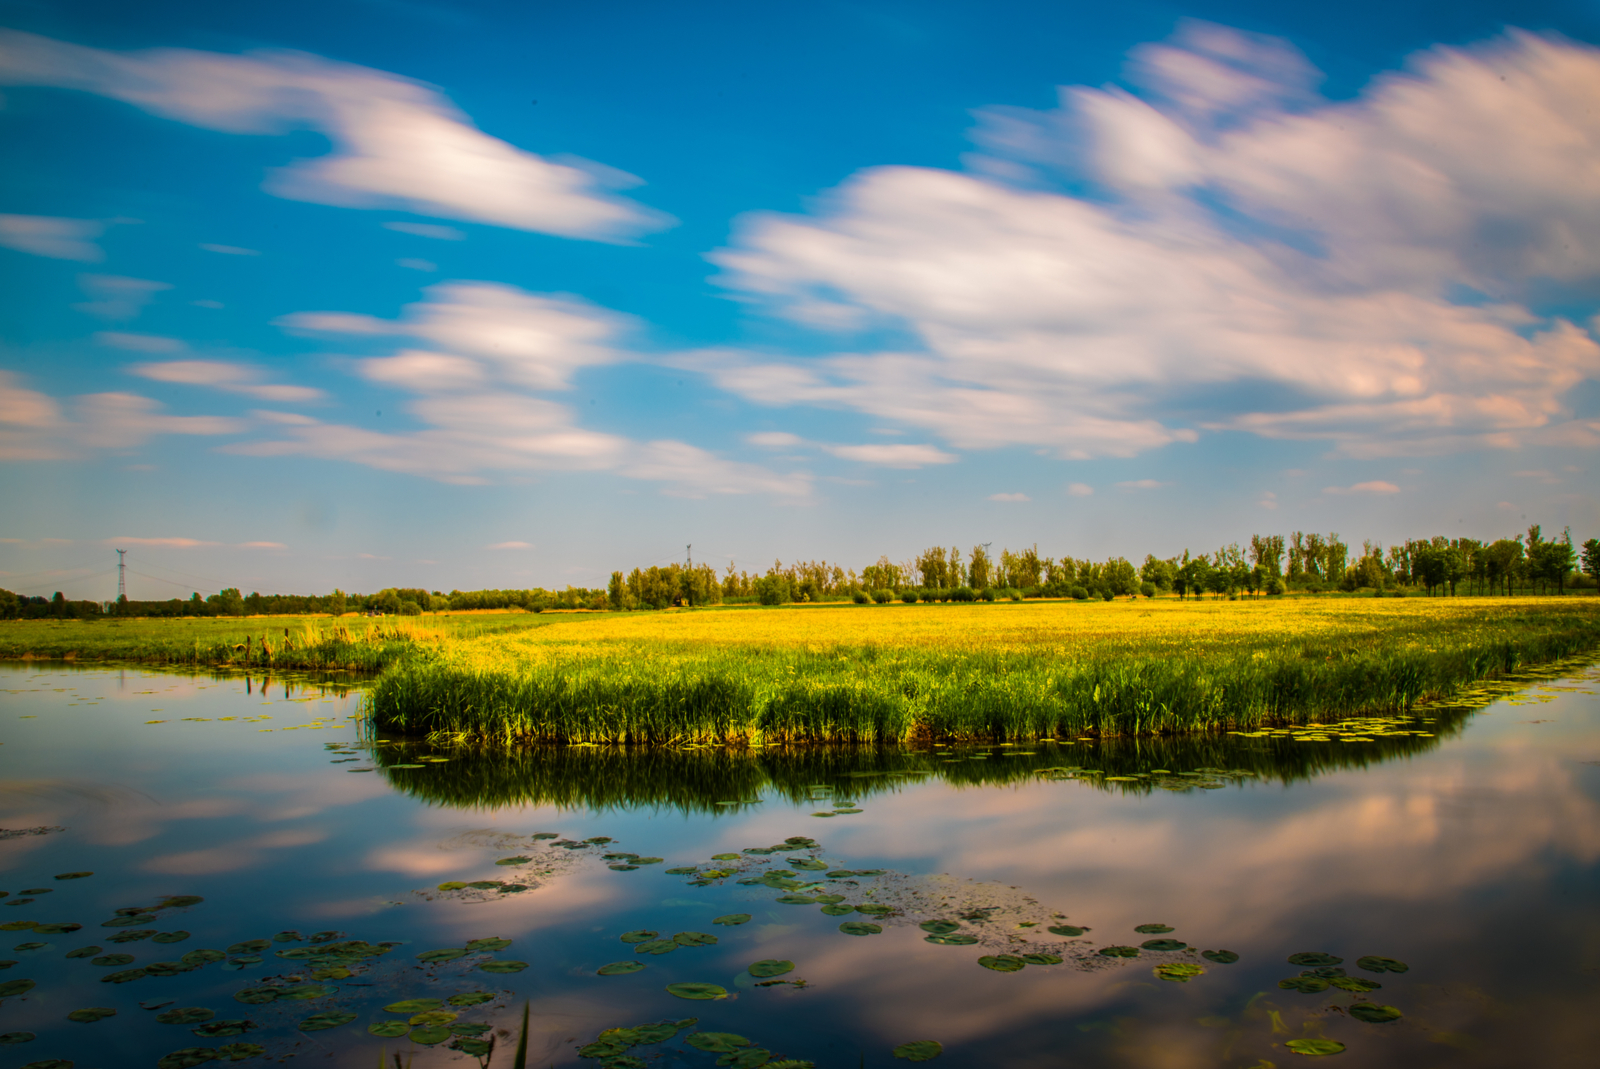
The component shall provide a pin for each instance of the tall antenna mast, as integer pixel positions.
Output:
(690, 550)
(122, 577)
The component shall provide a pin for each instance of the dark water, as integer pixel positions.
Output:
(1464, 842)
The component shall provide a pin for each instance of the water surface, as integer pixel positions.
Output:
(1464, 842)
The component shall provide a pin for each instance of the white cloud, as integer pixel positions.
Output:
(1269, 500)
(226, 375)
(492, 346)
(123, 420)
(1079, 322)
(167, 543)
(397, 143)
(415, 264)
(892, 456)
(1377, 486)
(510, 545)
(533, 340)
(1142, 484)
(230, 250)
(27, 418)
(115, 297)
(775, 439)
(428, 230)
(140, 343)
(57, 238)
(1009, 497)
(1080, 489)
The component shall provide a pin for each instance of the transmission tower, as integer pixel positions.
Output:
(122, 574)
(689, 549)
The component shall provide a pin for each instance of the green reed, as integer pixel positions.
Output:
(731, 695)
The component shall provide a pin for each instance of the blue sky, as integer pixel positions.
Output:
(380, 292)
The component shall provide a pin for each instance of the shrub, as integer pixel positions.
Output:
(1147, 589)
(1077, 593)
(860, 597)
(1014, 594)
(988, 593)
(410, 608)
(963, 593)
(772, 590)
(1106, 594)
(1274, 585)
(883, 597)
(908, 596)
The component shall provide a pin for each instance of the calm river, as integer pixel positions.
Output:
(241, 873)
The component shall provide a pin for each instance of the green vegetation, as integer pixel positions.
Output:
(1146, 676)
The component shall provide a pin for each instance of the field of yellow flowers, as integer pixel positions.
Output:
(893, 673)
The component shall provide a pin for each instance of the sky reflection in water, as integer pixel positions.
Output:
(1471, 855)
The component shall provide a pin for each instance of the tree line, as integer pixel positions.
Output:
(1267, 565)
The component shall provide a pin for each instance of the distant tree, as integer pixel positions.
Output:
(1158, 573)
(1591, 561)
(979, 567)
(1266, 551)
(1120, 577)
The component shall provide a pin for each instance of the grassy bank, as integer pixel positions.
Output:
(891, 674)
(314, 643)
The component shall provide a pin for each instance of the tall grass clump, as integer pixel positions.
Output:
(1133, 679)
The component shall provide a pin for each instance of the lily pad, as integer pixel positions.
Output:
(1118, 952)
(921, 1050)
(250, 946)
(1372, 1013)
(288, 937)
(620, 968)
(122, 977)
(62, 929)
(771, 967)
(503, 966)
(940, 927)
(796, 900)
(72, 875)
(255, 996)
(1163, 945)
(640, 935)
(470, 998)
(169, 937)
(318, 1022)
(1357, 984)
(1315, 1047)
(95, 1013)
(835, 909)
(129, 922)
(1068, 930)
(717, 1042)
(238, 1052)
(167, 968)
(1180, 972)
(202, 956)
(1315, 958)
(414, 1005)
(84, 952)
(301, 992)
(687, 870)
(518, 860)
(808, 864)
(656, 946)
(1380, 965)
(388, 1029)
(694, 939)
(730, 919)
(1042, 959)
(477, 946)
(187, 1015)
(1306, 985)
(14, 1039)
(218, 1029)
(459, 1028)
(446, 954)
(429, 1034)
(955, 939)
(430, 1017)
(179, 902)
(860, 928)
(1153, 929)
(187, 1058)
(1221, 957)
(1002, 962)
(134, 936)
(697, 991)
